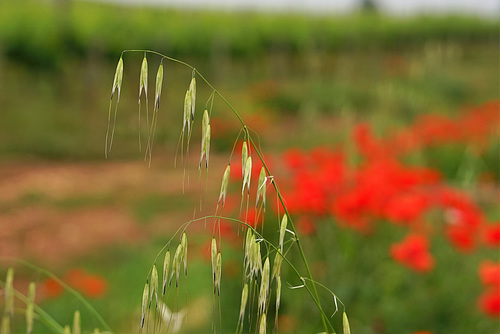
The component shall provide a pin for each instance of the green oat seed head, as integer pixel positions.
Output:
(247, 175)
(261, 190)
(166, 267)
(244, 156)
(262, 325)
(117, 81)
(345, 324)
(145, 302)
(205, 138)
(77, 323)
(9, 293)
(143, 79)
(184, 245)
(30, 307)
(154, 284)
(225, 182)
(284, 222)
(159, 83)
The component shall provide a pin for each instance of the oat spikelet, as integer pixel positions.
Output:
(145, 302)
(345, 324)
(278, 293)
(117, 84)
(244, 156)
(166, 267)
(213, 256)
(186, 123)
(76, 323)
(9, 293)
(66, 330)
(184, 245)
(243, 305)
(117, 81)
(225, 182)
(143, 79)
(205, 138)
(284, 222)
(278, 259)
(218, 272)
(247, 175)
(154, 284)
(262, 325)
(159, 84)
(176, 265)
(192, 89)
(264, 287)
(30, 308)
(261, 190)
(5, 327)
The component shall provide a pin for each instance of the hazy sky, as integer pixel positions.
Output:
(398, 7)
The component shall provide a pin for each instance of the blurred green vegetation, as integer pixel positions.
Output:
(282, 72)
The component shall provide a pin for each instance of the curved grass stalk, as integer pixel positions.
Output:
(311, 290)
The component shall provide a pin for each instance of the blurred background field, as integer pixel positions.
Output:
(344, 91)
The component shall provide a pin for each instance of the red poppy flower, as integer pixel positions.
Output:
(489, 302)
(52, 288)
(413, 252)
(489, 273)
(492, 235)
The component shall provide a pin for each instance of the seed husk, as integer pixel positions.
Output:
(9, 293)
(262, 325)
(218, 272)
(192, 90)
(205, 138)
(244, 157)
(278, 259)
(166, 267)
(159, 84)
(261, 190)
(264, 286)
(143, 79)
(284, 222)
(247, 175)
(176, 265)
(244, 299)
(278, 292)
(154, 284)
(30, 308)
(145, 302)
(76, 323)
(345, 324)
(117, 80)
(213, 256)
(5, 327)
(225, 182)
(184, 245)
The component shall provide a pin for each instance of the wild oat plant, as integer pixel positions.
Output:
(261, 282)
